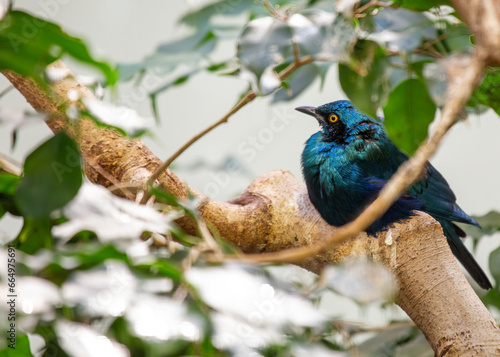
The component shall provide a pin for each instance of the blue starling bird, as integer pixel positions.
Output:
(346, 164)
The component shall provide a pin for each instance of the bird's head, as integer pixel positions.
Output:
(341, 120)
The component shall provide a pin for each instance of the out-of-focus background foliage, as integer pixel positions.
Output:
(181, 65)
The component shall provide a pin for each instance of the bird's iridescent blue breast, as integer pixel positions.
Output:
(347, 163)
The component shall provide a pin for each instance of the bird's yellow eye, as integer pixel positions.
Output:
(333, 118)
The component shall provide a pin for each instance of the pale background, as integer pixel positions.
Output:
(128, 30)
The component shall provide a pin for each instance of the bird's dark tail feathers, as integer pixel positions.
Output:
(464, 256)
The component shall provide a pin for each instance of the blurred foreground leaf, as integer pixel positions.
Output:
(490, 224)
(488, 92)
(22, 347)
(365, 80)
(52, 177)
(494, 264)
(386, 343)
(362, 280)
(29, 44)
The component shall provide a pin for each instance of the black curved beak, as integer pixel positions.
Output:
(310, 111)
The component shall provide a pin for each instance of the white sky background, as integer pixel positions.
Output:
(128, 30)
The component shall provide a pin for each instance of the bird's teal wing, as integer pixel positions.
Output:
(383, 160)
(438, 198)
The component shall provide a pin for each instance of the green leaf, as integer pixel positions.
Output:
(164, 196)
(385, 343)
(319, 32)
(490, 224)
(418, 68)
(154, 107)
(199, 43)
(187, 51)
(365, 80)
(494, 264)
(29, 44)
(93, 255)
(200, 17)
(408, 113)
(457, 37)
(420, 5)
(52, 177)
(84, 256)
(22, 347)
(492, 298)
(8, 183)
(217, 66)
(297, 83)
(34, 235)
(488, 93)
(176, 82)
(162, 268)
(269, 82)
(402, 30)
(3, 210)
(265, 42)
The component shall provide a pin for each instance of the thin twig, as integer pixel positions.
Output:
(125, 185)
(296, 51)
(431, 52)
(249, 96)
(6, 90)
(7, 164)
(459, 91)
(432, 42)
(284, 74)
(360, 10)
(274, 11)
(211, 244)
